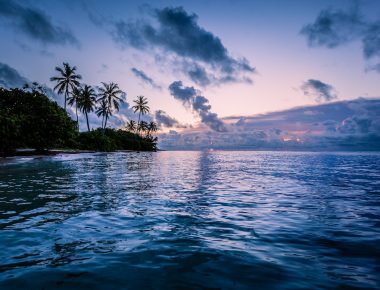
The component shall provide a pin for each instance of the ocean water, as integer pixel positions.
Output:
(191, 220)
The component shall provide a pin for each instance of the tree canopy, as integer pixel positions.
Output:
(29, 119)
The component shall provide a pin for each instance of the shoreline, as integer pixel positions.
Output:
(54, 152)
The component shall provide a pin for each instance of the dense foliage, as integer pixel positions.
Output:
(111, 140)
(28, 119)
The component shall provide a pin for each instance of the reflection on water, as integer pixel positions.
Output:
(187, 220)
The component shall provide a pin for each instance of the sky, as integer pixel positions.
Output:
(207, 67)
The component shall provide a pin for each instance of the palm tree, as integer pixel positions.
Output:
(87, 101)
(109, 94)
(73, 99)
(141, 107)
(131, 125)
(103, 111)
(66, 80)
(152, 127)
(142, 126)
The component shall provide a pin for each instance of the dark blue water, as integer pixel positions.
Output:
(191, 220)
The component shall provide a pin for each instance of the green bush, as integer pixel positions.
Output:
(32, 120)
(112, 139)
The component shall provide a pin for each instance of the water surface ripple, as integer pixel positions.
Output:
(191, 220)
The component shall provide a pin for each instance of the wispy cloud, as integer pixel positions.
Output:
(164, 120)
(190, 98)
(146, 79)
(35, 24)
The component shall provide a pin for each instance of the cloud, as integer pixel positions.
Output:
(10, 78)
(198, 104)
(344, 125)
(199, 75)
(177, 33)
(142, 76)
(163, 119)
(184, 94)
(333, 28)
(371, 42)
(319, 90)
(35, 24)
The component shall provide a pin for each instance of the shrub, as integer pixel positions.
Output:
(112, 139)
(32, 120)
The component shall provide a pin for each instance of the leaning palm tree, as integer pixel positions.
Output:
(131, 125)
(110, 94)
(73, 99)
(66, 80)
(152, 127)
(86, 102)
(141, 107)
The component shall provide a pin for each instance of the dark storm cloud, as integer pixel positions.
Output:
(198, 104)
(333, 28)
(142, 76)
(35, 24)
(163, 119)
(319, 90)
(178, 33)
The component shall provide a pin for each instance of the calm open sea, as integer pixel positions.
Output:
(191, 220)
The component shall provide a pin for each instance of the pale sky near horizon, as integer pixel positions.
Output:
(265, 33)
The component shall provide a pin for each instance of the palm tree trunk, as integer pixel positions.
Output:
(76, 113)
(138, 123)
(105, 123)
(66, 93)
(88, 125)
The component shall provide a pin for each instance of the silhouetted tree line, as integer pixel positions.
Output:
(29, 119)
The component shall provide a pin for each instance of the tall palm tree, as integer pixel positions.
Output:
(66, 80)
(103, 110)
(73, 99)
(152, 127)
(87, 101)
(131, 125)
(141, 107)
(110, 94)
